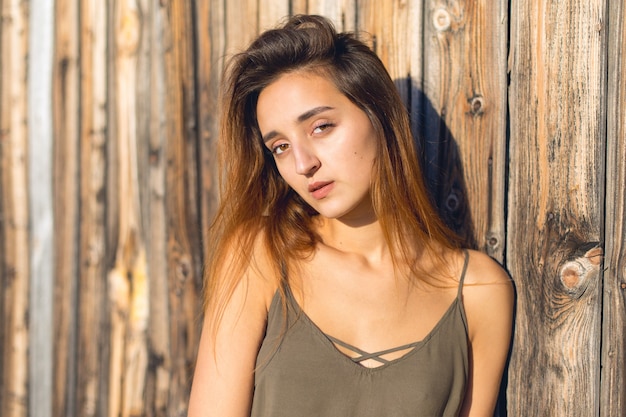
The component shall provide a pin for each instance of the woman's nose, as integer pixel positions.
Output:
(306, 161)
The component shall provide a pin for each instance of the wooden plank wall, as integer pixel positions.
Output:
(40, 137)
(463, 108)
(613, 378)
(521, 108)
(557, 145)
(14, 209)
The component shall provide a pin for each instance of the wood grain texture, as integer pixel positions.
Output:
(184, 248)
(555, 205)
(92, 360)
(40, 183)
(464, 116)
(272, 12)
(14, 232)
(66, 119)
(152, 119)
(343, 13)
(128, 285)
(392, 26)
(613, 385)
(210, 60)
(241, 24)
(299, 6)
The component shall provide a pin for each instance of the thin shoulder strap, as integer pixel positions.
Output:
(290, 299)
(462, 278)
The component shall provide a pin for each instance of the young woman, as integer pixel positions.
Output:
(333, 289)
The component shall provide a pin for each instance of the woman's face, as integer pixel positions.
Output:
(324, 145)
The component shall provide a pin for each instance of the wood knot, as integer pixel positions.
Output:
(441, 20)
(493, 241)
(575, 274)
(453, 202)
(571, 274)
(476, 105)
(595, 256)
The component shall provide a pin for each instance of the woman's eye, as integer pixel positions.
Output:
(278, 149)
(322, 127)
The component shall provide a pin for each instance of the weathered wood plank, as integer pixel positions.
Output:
(555, 205)
(272, 12)
(210, 61)
(91, 376)
(241, 24)
(41, 207)
(343, 13)
(392, 26)
(299, 6)
(613, 385)
(66, 117)
(153, 117)
(184, 248)
(15, 257)
(394, 31)
(465, 85)
(128, 283)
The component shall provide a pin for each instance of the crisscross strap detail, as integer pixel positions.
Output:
(377, 356)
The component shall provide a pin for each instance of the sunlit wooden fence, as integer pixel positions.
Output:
(107, 175)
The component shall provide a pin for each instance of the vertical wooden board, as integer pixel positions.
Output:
(210, 49)
(209, 61)
(65, 109)
(145, 93)
(298, 6)
(182, 202)
(41, 209)
(153, 207)
(392, 26)
(343, 13)
(613, 385)
(15, 266)
(555, 205)
(464, 116)
(92, 373)
(128, 283)
(241, 24)
(395, 31)
(185, 34)
(272, 12)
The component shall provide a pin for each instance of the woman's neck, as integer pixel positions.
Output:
(365, 239)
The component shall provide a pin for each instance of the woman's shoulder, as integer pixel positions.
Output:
(252, 261)
(487, 293)
(263, 274)
(483, 269)
(473, 266)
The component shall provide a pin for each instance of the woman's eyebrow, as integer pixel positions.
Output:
(313, 112)
(304, 116)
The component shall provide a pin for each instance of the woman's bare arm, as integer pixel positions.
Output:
(488, 302)
(224, 375)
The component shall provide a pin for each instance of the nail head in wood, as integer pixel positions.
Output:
(441, 20)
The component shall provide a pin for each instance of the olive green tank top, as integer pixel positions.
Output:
(300, 372)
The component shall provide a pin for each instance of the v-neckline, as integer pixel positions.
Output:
(418, 345)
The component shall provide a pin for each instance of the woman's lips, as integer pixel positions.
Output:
(320, 189)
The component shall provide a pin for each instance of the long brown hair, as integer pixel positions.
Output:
(251, 186)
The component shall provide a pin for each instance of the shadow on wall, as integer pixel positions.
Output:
(441, 164)
(443, 173)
